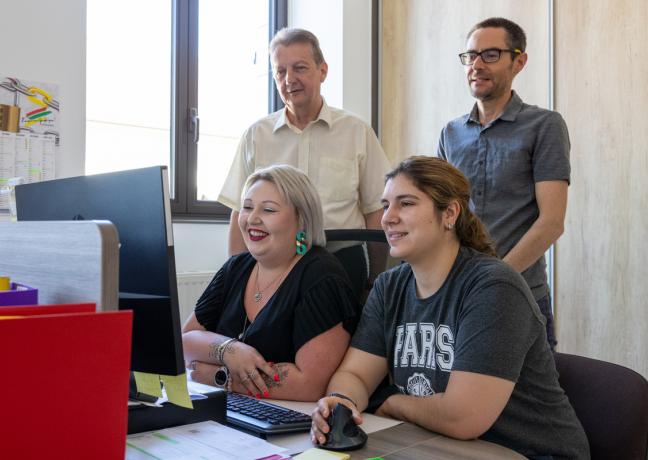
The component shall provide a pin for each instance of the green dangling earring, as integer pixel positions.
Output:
(300, 241)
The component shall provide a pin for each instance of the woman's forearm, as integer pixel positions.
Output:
(351, 386)
(432, 413)
(202, 346)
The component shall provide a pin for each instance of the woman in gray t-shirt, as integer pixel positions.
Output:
(456, 329)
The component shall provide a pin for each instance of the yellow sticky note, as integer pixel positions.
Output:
(148, 384)
(176, 390)
(315, 453)
(5, 283)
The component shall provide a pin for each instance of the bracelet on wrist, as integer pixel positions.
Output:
(222, 349)
(340, 395)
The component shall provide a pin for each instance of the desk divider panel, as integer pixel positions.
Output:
(67, 261)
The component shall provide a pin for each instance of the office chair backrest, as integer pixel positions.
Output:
(355, 235)
(359, 278)
(611, 402)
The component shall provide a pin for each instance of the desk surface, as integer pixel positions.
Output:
(410, 442)
(404, 441)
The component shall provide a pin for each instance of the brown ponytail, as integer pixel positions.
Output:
(444, 183)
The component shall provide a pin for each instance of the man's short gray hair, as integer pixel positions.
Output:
(296, 189)
(515, 36)
(289, 36)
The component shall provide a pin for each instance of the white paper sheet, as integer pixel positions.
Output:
(195, 387)
(205, 440)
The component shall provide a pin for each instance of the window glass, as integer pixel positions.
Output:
(232, 83)
(129, 87)
(128, 81)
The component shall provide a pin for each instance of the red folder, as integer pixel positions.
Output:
(30, 310)
(65, 388)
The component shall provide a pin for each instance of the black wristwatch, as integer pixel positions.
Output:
(221, 377)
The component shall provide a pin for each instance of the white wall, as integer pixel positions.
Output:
(45, 41)
(200, 247)
(357, 58)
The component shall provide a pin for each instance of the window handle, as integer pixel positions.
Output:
(194, 124)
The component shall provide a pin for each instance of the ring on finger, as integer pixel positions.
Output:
(192, 365)
(252, 374)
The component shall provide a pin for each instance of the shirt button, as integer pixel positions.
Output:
(479, 193)
(481, 162)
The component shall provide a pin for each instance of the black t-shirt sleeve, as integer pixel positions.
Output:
(325, 304)
(497, 327)
(212, 302)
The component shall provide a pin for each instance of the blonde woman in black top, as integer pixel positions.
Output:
(276, 321)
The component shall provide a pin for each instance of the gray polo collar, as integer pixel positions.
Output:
(509, 114)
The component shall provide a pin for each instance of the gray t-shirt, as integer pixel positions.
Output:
(484, 320)
(503, 161)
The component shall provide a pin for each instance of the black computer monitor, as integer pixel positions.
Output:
(137, 203)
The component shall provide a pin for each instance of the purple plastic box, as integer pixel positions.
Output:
(19, 294)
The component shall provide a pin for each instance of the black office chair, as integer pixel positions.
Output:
(359, 275)
(357, 268)
(356, 235)
(611, 402)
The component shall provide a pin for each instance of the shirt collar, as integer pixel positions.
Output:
(473, 116)
(324, 115)
(512, 108)
(509, 114)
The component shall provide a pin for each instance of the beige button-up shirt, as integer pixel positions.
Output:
(338, 151)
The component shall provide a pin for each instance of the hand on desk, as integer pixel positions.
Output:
(321, 413)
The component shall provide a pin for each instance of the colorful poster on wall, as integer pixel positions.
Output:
(29, 133)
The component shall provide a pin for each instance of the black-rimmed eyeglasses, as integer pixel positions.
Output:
(489, 55)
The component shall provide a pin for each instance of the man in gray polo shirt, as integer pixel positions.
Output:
(515, 155)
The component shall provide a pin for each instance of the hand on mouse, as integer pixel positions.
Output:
(321, 413)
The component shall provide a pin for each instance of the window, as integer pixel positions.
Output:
(176, 82)
(128, 84)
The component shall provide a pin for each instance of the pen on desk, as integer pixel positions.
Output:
(5, 283)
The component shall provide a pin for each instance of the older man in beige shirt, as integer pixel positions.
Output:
(337, 150)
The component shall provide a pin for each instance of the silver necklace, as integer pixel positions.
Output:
(258, 294)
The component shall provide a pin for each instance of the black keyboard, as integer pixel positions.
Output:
(263, 418)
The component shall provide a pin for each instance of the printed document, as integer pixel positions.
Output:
(205, 440)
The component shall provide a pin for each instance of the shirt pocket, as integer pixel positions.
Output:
(337, 179)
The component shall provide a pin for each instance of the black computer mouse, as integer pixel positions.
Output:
(344, 434)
